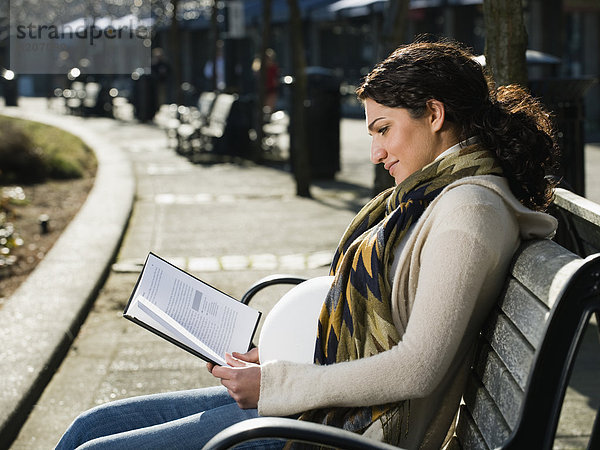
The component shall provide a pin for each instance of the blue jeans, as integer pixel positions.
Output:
(176, 420)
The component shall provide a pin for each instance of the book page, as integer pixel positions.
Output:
(165, 324)
(218, 321)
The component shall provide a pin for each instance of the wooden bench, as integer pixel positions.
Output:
(189, 138)
(521, 370)
(227, 132)
(122, 109)
(274, 129)
(84, 99)
(579, 222)
(167, 118)
(74, 97)
(217, 121)
(195, 130)
(207, 128)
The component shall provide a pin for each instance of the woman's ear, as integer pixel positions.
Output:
(437, 114)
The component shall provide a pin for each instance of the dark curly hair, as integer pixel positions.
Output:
(507, 120)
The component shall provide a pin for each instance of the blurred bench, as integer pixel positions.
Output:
(85, 99)
(273, 131)
(122, 109)
(521, 368)
(220, 124)
(217, 123)
(192, 120)
(167, 118)
(194, 129)
(74, 97)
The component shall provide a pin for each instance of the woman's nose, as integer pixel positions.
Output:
(378, 153)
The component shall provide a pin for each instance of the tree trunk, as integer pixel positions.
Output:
(175, 44)
(299, 147)
(214, 31)
(505, 41)
(262, 76)
(394, 28)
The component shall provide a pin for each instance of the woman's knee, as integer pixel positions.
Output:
(88, 425)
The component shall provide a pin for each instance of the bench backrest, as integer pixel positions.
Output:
(205, 104)
(526, 349)
(219, 113)
(92, 91)
(522, 363)
(579, 222)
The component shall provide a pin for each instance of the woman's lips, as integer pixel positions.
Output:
(390, 167)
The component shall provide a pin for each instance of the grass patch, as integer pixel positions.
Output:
(51, 162)
(32, 152)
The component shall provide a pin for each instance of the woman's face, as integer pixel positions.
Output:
(402, 143)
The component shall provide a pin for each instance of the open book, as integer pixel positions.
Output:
(190, 313)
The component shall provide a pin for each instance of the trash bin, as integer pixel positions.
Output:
(322, 118)
(144, 97)
(10, 91)
(564, 97)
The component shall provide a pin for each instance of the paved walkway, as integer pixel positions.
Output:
(230, 225)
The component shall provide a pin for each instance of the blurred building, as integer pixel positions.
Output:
(345, 36)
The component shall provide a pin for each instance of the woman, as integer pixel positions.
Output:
(416, 272)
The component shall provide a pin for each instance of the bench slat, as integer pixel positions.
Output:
(486, 415)
(510, 345)
(540, 265)
(578, 222)
(527, 312)
(217, 120)
(205, 103)
(469, 436)
(577, 205)
(499, 383)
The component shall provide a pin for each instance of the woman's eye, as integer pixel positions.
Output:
(383, 130)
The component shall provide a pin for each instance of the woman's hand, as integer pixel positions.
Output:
(250, 356)
(242, 379)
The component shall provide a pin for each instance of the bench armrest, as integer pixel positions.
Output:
(270, 281)
(283, 428)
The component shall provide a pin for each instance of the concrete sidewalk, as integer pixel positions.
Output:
(228, 224)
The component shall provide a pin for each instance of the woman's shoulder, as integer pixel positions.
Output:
(478, 191)
(488, 199)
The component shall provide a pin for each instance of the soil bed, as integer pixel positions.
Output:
(60, 200)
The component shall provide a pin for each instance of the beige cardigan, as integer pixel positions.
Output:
(449, 274)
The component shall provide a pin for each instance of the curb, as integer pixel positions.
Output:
(40, 320)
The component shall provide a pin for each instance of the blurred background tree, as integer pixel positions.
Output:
(262, 75)
(505, 41)
(299, 147)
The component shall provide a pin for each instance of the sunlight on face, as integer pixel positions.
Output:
(399, 141)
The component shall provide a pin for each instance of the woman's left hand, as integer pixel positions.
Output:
(242, 380)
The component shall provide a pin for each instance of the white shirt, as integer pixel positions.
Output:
(469, 141)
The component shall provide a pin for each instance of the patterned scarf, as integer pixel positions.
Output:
(356, 318)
